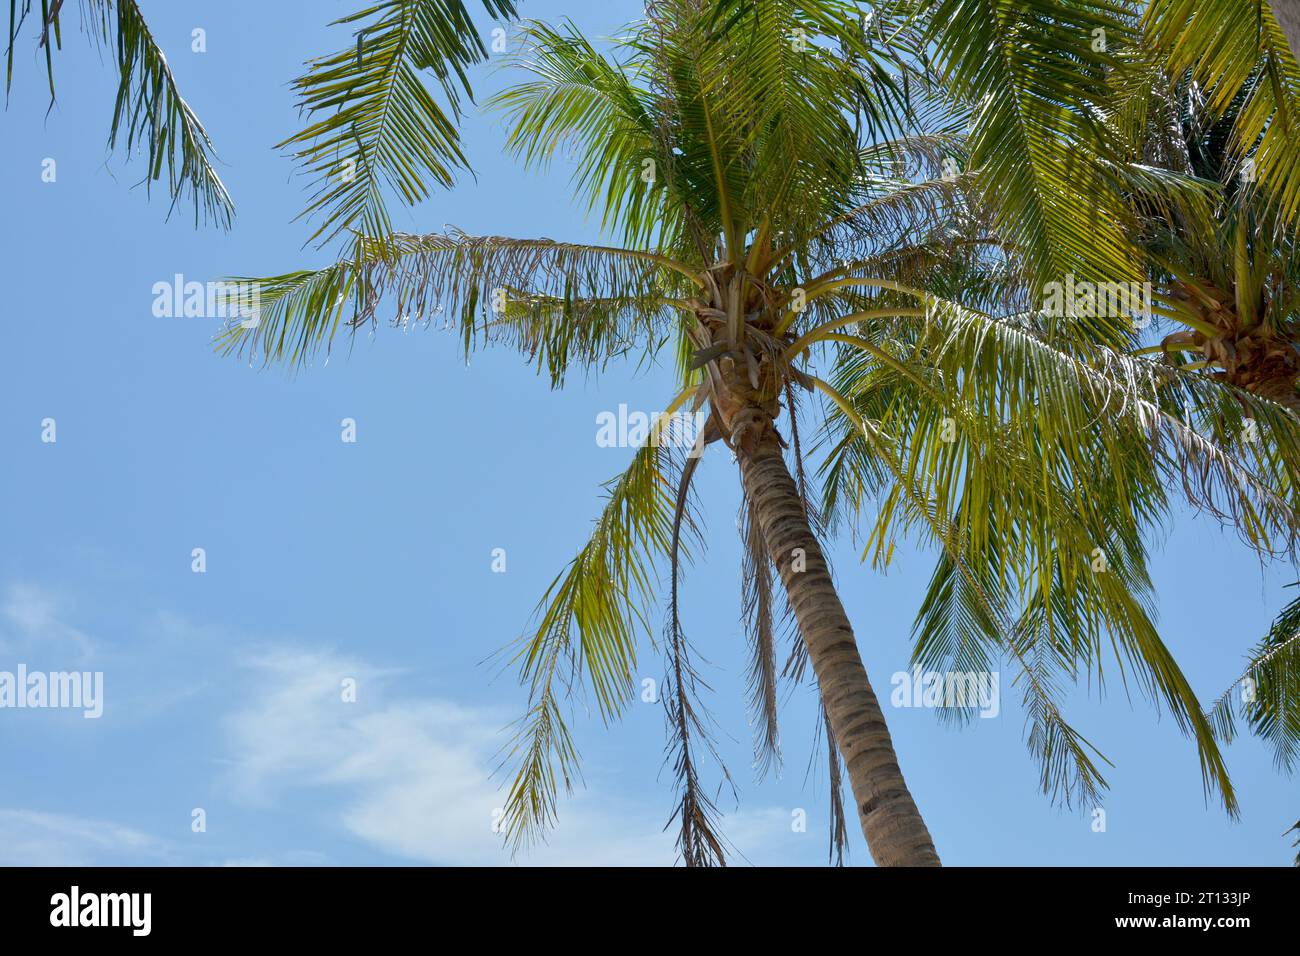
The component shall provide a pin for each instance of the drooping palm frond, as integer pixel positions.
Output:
(1040, 471)
(758, 608)
(1037, 77)
(699, 840)
(51, 37)
(559, 303)
(1198, 433)
(1233, 47)
(1267, 695)
(589, 624)
(980, 628)
(373, 126)
(839, 832)
(149, 114)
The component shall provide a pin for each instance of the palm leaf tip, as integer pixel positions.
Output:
(149, 113)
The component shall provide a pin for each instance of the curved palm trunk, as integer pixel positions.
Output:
(895, 832)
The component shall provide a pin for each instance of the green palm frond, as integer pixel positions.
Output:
(1235, 48)
(1038, 76)
(149, 114)
(589, 624)
(581, 102)
(373, 126)
(559, 303)
(694, 129)
(894, 216)
(1267, 695)
(1067, 760)
(1031, 464)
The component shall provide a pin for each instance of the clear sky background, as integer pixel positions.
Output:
(372, 560)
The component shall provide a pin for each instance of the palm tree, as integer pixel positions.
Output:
(1048, 78)
(1226, 266)
(1077, 142)
(698, 212)
(751, 158)
(1209, 101)
(1183, 119)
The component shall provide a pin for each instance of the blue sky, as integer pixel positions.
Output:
(372, 560)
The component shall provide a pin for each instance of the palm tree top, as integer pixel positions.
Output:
(784, 221)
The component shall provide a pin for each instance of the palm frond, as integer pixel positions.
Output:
(1051, 458)
(149, 113)
(699, 840)
(839, 832)
(1235, 48)
(589, 623)
(373, 125)
(758, 610)
(1067, 760)
(1037, 79)
(1266, 695)
(559, 303)
(587, 106)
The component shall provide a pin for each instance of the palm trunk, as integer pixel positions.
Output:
(1287, 15)
(895, 832)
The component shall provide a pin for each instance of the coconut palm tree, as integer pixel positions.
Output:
(1046, 77)
(1230, 270)
(1242, 46)
(781, 208)
(1226, 268)
(1192, 104)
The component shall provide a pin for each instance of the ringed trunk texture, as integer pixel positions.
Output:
(895, 832)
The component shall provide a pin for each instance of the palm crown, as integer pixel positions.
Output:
(786, 203)
(808, 199)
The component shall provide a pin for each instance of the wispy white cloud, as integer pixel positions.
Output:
(36, 627)
(31, 838)
(414, 775)
(409, 776)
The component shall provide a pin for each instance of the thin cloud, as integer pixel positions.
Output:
(414, 775)
(32, 838)
(35, 625)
